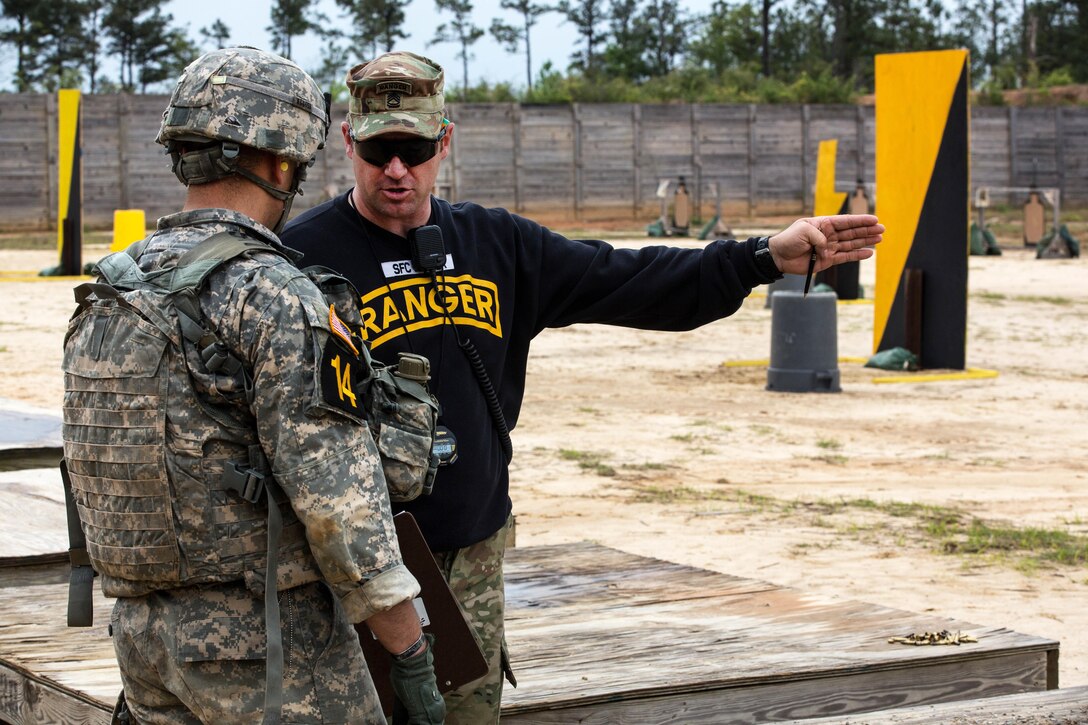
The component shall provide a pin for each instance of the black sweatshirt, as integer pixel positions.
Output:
(506, 279)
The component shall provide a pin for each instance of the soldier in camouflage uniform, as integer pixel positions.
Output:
(498, 281)
(155, 443)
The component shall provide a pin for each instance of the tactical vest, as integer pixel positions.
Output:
(160, 506)
(163, 507)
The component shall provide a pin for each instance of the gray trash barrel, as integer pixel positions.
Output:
(804, 343)
(789, 282)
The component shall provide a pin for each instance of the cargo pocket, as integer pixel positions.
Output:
(406, 461)
(218, 639)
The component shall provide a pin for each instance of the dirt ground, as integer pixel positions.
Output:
(649, 443)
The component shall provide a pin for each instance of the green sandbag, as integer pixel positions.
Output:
(1060, 246)
(895, 358)
(655, 229)
(978, 242)
(983, 242)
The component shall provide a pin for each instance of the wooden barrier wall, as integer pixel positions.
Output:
(584, 160)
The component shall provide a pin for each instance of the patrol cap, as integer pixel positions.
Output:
(397, 92)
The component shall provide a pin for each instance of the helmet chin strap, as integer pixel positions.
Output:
(219, 161)
(287, 196)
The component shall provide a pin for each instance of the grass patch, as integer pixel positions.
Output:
(648, 466)
(1043, 545)
(1048, 299)
(1031, 299)
(986, 462)
(829, 444)
(945, 529)
(48, 240)
(588, 461)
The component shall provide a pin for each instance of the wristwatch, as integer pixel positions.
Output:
(765, 260)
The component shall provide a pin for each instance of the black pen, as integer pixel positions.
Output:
(811, 269)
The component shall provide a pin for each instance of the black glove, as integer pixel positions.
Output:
(415, 686)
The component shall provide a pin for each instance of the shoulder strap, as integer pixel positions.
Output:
(188, 276)
(195, 265)
(80, 605)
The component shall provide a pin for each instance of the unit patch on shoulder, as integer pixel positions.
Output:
(343, 374)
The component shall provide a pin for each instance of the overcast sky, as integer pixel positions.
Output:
(551, 39)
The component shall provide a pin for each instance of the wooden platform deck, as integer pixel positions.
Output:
(1050, 707)
(596, 636)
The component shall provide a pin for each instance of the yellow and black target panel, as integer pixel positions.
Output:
(70, 181)
(923, 197)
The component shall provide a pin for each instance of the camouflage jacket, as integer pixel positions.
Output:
(337, 521)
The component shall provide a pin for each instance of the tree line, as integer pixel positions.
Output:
(625, 50)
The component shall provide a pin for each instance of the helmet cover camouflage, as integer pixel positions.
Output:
(398, 92)
(249, 97)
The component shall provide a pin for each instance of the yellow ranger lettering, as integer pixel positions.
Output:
(485, 303)
(409, 304)
(415, 303)
(451, 299)
(369, 315)
(390, 313)
(465, 293)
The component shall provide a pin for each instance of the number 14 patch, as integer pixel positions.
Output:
(342, 370)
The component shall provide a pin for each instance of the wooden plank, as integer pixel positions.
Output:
(1035, 148)
(28, 699)
(600, 635)
(1050, 706)
(26, 427)
(990, 149)
(622, 153)
(48, 671)
(32, 509)
(591, 628)
(775, 701)
(1075, 153)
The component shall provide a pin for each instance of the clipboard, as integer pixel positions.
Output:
(458, 658)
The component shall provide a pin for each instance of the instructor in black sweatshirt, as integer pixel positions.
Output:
(472, 298)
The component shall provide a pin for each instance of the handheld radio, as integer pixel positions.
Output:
(427, 248)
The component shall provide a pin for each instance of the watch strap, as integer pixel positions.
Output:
(764, 260)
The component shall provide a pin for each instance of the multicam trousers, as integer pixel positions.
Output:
(196, 655)
(474, 574)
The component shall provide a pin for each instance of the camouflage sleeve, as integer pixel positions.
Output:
(321, 452)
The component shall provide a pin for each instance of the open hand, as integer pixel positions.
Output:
(836, 239)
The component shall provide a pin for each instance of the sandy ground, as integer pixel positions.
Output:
(647, 443)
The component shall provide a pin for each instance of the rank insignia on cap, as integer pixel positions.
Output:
(340, 329)
(392, 100)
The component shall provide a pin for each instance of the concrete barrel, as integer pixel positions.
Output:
(789, 282)
(804, 343)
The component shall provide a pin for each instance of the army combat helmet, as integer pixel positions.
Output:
(237, 97)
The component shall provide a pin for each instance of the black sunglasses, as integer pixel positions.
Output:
(412, 152)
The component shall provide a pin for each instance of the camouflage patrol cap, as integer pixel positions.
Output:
(398, 92)
(250, 97)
